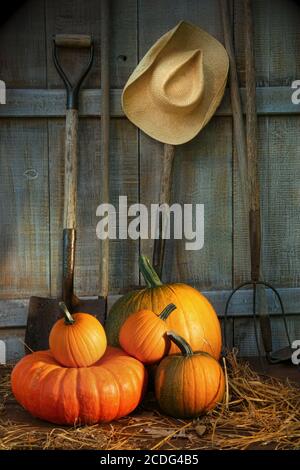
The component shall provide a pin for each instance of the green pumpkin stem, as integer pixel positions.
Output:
(69, 320)
(148, 272)
(166, 311)
(182, 344)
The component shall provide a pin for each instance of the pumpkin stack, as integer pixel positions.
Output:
(80, 380)
(152, 324)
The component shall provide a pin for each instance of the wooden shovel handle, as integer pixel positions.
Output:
(70, 183)
(164, 198)
(73, 40)
(167, 172)
(236, 104)
(69, 241)
(253, 179)
(105, 137)
(252, 154)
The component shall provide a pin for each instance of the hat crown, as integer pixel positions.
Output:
(177, 82)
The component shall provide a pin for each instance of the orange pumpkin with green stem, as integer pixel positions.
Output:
(143, 335)
(194, 318)
(77, 340)
(189, 383)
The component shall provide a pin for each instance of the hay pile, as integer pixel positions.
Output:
(257, 411)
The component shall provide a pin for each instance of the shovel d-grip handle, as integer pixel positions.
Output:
(72, 41)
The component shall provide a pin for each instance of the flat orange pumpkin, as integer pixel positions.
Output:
(108, 390)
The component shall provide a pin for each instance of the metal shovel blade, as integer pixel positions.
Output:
(43, 312)
(281, 355)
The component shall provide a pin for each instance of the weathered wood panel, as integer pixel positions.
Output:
(205, 164)
(244, 334)
(158, 16)
(277, 41)
(14, 344)
(24, 207)
(22, 44)
(13, 313)
(124, 40)
(279, 164)
(124, 181)
(281, 201)
(151, 154)
(284, 42)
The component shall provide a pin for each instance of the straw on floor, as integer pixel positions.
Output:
(257, 411)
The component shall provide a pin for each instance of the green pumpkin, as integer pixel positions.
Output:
(190, 383)
(194, 318)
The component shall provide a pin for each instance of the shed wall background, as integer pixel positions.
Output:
(31, 160)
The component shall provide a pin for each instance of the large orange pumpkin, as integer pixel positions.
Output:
(189, 383)
(110, 389)
(195, 319)
(77, 340)
(143, 335)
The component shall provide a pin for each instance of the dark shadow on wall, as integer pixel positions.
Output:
(9, 8)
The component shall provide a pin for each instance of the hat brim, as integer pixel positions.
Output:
(137, 100)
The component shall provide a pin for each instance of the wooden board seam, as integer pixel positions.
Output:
(51, 102)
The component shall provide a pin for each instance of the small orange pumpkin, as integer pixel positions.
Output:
(189, 383)
(77, 340)
(143, 335)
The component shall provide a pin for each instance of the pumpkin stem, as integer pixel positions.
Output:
(148, 272)
(166, 311)
(183, 345)
(69, 320)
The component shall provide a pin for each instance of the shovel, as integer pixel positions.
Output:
(44, 312)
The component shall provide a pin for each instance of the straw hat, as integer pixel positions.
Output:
(177, 86)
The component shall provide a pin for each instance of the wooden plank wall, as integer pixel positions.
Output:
(31, 160)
